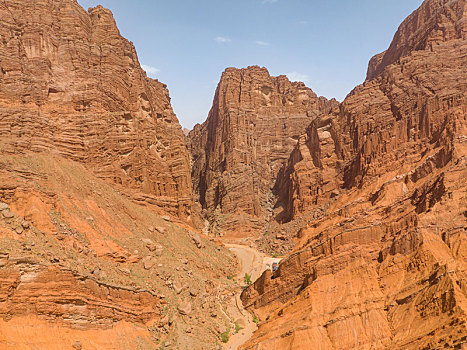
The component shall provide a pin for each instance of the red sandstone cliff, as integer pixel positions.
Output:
(82, 266)
(72, 85)
(385, 265)
(250, 131)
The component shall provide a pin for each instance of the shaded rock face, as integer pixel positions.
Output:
(251, 129)
(312, 175)
(72, 85)
(385, 266)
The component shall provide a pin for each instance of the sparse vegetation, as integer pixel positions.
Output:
(247, 279)
(230, 277)
(256, 319)
(237, 327)
(224, 337)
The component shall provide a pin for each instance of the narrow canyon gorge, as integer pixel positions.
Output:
(285, 221)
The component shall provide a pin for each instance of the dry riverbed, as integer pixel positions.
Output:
(252, 263)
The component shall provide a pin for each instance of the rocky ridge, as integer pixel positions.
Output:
(384, 265)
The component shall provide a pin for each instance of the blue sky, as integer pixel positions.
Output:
(187, 44)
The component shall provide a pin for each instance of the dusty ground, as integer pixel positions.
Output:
(252, 263)
(78, 223)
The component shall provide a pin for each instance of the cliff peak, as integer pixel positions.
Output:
(80, 83)
(433, 23)
(252, 127)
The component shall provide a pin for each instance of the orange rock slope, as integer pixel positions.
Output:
(385, 266)
(70, 84)
(82, 262)
(237, 153)
(91, 155)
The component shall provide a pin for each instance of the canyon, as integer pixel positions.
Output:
(120, 230)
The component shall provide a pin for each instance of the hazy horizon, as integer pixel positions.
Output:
(188, 45)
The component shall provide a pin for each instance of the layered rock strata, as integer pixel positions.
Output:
(58, 295)
(82, 266)
(385, 266)
(70, 84)
(251, 129)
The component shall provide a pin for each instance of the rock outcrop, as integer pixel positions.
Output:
(59, 295)
(237, 153)
(70, 84)
(82, 262)
(385, 265)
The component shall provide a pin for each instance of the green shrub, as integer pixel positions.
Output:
(247, 279)
(225, 337)
(256, 319)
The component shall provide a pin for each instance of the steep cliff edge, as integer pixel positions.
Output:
(72, 85)
(251, 129)
(85, 138)
(385, 263)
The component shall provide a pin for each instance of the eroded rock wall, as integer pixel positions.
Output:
(385, 266)
(61, 296)
(251, 129)
(407, 120)
(72, 85)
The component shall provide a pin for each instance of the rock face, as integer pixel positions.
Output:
(251, 129)
(393, 119)
(81, 264)
(385, 266)
(77, 301)
(312, 174)
(70, 84)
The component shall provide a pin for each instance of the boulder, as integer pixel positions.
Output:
(161, 230)
(196, 238)
(7, 214)
(149, 262)
(184, 308)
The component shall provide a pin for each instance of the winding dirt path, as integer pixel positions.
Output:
(252, 263)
